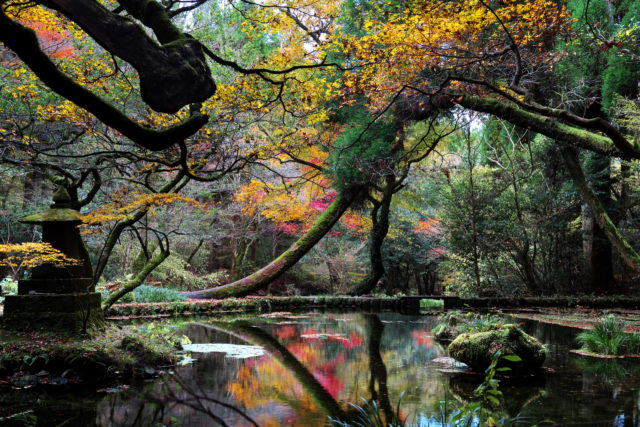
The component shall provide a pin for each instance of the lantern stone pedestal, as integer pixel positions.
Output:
(59, 298)
(56, 312)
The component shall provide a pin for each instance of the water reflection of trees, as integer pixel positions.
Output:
(310, 384)
(517, 394)
(378, 370)
(302, 380)
(270, 383)
(377, 375)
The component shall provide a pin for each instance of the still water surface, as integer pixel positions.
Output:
(314, 363)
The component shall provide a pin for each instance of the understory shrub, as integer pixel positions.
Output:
(147, 293)
(608, 337)
(431, 303)
(177, 272)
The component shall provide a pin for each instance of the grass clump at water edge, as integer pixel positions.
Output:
(608, 337)
(147, 293)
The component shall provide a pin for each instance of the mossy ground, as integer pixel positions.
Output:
(114, 352)
(249, 304)
(582, 318)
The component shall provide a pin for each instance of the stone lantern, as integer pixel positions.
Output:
(57, 297)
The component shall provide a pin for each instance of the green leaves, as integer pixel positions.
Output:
(512, 358)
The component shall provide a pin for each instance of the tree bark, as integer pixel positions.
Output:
(473, 215)
(24, 42)
(379, 230)
(626, 251)
(601, 257)
(587, 237)
(261, 278)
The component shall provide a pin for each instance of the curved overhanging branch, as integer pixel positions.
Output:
(548, 126)
(24, 42)
(172, 75)
(287, 259)
(173, 186)
(137, 280)
(596, 124)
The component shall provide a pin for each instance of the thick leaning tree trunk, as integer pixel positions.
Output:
(600, 258)
(379, 230)
(267, 274)
(626, 251)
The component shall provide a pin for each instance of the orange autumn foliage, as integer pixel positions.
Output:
(121, 210)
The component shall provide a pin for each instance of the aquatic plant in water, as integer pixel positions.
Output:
(483, 412)
(369, 416)
(609, 338)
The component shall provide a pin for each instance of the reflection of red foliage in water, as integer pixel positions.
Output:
(329, 381)
(423, 338)
(284, 332)
(355, 340)
(310, 331)
(250, 362)
(302, 352)
(326, 375)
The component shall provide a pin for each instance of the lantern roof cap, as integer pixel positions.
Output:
(60, 211)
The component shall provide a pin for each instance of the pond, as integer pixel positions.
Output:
(302, 368)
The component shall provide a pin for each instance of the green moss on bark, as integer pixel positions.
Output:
(288, 258)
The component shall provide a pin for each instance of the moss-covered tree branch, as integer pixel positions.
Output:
(267, 274)
(137, 280)
(626, 251)
(172, 75)
(548, 126)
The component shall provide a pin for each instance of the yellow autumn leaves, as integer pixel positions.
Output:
(31, 254)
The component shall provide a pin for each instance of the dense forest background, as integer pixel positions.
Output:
(432, 196)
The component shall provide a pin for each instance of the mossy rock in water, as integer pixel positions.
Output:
(445, 332)
(453, 324)
(477, 350)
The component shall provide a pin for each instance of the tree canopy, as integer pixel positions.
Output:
(318, 115)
